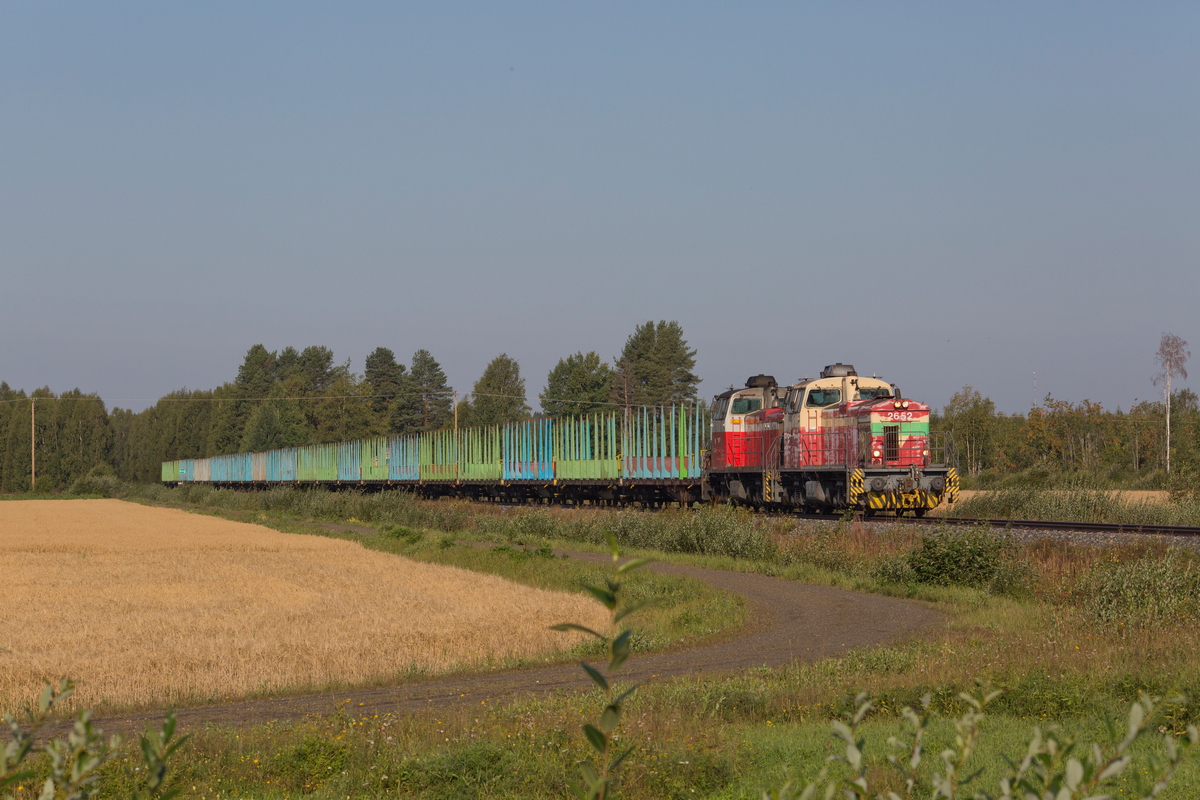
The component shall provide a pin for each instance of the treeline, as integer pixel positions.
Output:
(1062, 436)
(294, 397)
(71, 433)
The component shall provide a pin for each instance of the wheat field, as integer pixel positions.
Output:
(149, 606)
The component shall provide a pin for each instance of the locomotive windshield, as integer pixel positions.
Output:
(819, 398)
(746, 405)
(872, 393)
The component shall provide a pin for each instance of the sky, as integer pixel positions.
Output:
(944, 194)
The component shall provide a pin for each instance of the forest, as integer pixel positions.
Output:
(293, 397)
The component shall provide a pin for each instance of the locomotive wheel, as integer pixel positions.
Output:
(920, 512)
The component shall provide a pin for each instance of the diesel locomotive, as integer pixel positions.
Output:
(839, 441)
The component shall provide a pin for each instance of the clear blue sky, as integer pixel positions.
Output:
(945, 194)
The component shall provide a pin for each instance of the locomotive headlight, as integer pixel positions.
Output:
(876, 453)
(896, 404)
(925, 453)
(904, 404)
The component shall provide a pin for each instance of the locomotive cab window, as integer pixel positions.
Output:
(746, 405)
(819, 398)
(872, 393)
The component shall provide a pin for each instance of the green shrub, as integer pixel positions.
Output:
(894, 569)
(311, 762)
(1153, 589)
(973, 557)
(100, 480)
(1184, 485)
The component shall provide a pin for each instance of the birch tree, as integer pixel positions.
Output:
(1171, 357)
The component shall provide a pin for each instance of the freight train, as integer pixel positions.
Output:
(837, 442)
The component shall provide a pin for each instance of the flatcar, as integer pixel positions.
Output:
(840, 441)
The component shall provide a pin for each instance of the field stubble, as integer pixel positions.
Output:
(150, 606)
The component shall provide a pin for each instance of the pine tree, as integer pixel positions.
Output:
(655, 367)
(287, 363)
(499, 394)
(578, 384)
(315, 367)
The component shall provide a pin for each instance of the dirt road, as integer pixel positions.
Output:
(787, 622)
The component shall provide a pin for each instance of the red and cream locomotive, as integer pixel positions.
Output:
(840, 441)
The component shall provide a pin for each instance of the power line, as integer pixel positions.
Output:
(565, 399)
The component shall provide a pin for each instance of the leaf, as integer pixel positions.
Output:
(620, 758)
(612, 543)
(1074, 774)
(623, 695)
(604, 596)
(589, 773)
(177, 745)
(597, 739)
(633, 608)
(46, 698)
(168, 726)
(853, 756)
(610, 719)
(632, 564)
(620, 651)
(864, 707)
(596, 676)
(571, 626)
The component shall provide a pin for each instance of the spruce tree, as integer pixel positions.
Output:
(384, 377)
(425, 401)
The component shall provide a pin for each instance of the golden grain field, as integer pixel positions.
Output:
(148, 606)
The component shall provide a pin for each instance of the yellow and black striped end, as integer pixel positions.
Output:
(951, 485)
(855, 491)
(893, 501)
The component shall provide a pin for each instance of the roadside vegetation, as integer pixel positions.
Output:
(1070, 636)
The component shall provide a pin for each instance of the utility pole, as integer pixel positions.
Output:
(456, 437)
(32, 446)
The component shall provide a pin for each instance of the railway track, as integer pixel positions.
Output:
(1003, 524)
(1083, 527)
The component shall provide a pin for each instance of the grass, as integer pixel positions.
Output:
(1080, 504)
(1073, 641)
